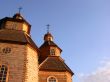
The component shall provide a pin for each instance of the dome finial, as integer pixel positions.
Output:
(18, 15)
(20, 8)
(48, 36)
(48, 29)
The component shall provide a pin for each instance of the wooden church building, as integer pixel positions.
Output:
(22, 61)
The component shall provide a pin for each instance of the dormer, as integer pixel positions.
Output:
(17, 22)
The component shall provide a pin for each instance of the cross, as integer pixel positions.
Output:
(48, 28)
(20, 9)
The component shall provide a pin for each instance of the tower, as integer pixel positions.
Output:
(18, 52)
(52, 67)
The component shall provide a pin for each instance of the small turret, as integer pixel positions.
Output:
(49, 47)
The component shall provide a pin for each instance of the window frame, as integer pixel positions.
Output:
(52, 77)
(5, 69)
(52, 52)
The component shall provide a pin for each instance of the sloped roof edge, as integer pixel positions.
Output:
(54, 63)
(15, 36)
(50, 43)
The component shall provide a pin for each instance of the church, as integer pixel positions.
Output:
(21, 60)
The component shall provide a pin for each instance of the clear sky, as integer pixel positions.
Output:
(81, 28)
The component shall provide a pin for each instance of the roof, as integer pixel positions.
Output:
(14, 19)
(15, 36)
(49, 43)
(48, 37)
(54, 63)
(48, 34)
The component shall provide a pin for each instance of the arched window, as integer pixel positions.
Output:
(52, 79)
(3, 73)
(52, 52)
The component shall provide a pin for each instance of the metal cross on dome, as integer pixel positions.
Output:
(48, 29)
(20, 8)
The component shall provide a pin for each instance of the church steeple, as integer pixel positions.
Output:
(49, 47)
(50, 61)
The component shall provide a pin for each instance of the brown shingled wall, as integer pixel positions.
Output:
(31, 65)
(22, 62)
(60, 76)
(14, 60)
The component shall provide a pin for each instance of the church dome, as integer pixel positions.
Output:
(48, 37)
(17, 16)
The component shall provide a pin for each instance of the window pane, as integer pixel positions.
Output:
(52, 52)
(3, 73)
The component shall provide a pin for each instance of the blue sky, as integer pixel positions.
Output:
(81, 28)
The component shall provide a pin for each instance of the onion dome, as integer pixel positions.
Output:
(17, 16)
(48, 37)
